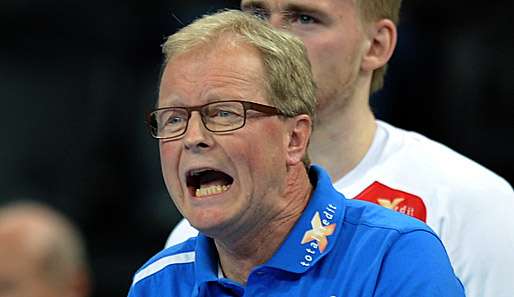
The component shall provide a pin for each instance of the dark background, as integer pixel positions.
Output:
(77, 76)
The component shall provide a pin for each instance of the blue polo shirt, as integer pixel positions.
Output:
(337, 248)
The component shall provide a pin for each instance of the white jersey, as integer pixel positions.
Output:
(468, 206)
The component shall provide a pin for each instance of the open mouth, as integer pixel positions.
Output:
(205, 182)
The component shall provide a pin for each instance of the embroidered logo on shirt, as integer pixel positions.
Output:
(390, 204)
(319, 232)
(394, 199)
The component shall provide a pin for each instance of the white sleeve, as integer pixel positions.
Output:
(182, 232)
(479, 238)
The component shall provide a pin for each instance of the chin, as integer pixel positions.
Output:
(210, 227)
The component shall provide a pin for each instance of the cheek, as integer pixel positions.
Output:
(169, 162)
(335, 64)
(245, 155)
(165, 151)
(266, 151)
(326, 56)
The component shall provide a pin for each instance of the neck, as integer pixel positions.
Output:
(238, 256)
(343, 135)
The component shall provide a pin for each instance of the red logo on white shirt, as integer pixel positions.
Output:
(394, 199)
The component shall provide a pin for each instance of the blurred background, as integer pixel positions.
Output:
(77, 76)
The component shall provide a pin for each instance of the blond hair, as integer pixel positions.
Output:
(374, 10)
(288, 77)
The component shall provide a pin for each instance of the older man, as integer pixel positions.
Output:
(233, 121)
(349, 43)
(41, 253)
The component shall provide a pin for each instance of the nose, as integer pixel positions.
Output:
(197, 137)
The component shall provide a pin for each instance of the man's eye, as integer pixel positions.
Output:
(175, 120)
(303, 19)
(306, 19)
(223, 114)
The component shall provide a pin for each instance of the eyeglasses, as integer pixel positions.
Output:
(219, 116)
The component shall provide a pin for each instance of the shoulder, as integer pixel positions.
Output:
(411, 255)
(414, 157)
(168, 263)
(180, 233)
(369, 217)
(417, 265)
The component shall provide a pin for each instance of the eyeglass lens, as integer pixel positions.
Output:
(216, 117)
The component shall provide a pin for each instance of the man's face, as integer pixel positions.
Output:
(236, 165)
(333, 36)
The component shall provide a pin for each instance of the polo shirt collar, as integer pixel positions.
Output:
(312, 237)
(207, 268)
(314, 234)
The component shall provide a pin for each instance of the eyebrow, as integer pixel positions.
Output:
(252, 5)
(289, 7)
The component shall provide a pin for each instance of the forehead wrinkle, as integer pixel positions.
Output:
(210, 75)
(230, 83)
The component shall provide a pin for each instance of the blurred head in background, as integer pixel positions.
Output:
(41, 253)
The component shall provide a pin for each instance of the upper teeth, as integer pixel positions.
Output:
(211, 190)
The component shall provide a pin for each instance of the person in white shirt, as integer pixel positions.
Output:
(349, 44)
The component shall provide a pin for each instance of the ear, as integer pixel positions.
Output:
(299, 134)
(382, 36)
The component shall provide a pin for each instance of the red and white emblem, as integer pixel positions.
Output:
(394, 199)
